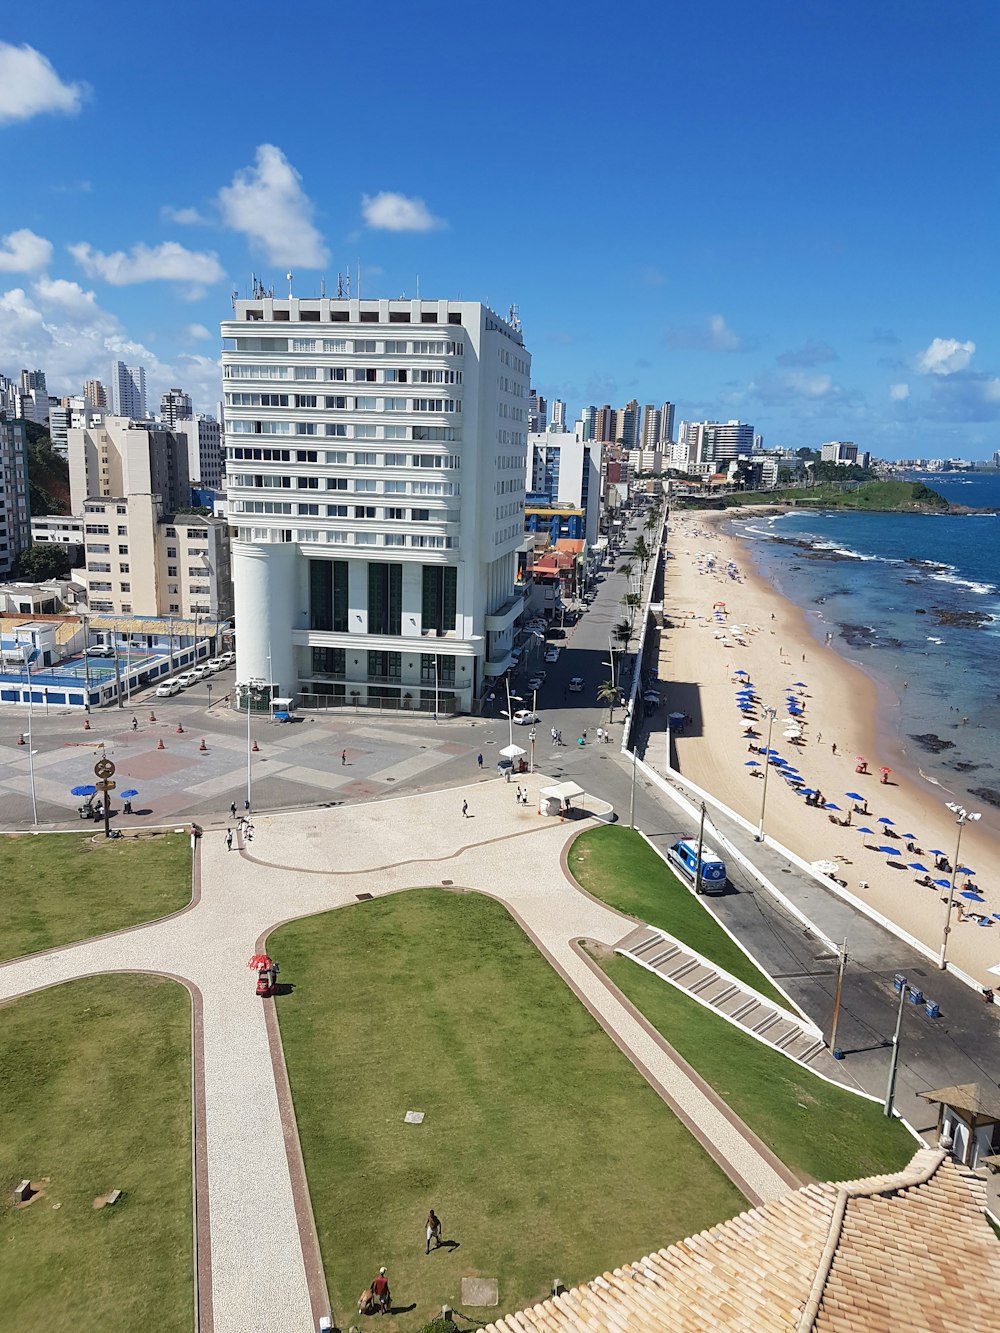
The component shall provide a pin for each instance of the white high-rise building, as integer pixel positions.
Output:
(567, 469)
(128, 391)
(557, 415)
(375, 461)
(650, 436)
(202, 438)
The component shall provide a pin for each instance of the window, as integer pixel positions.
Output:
(395, 433)
(305, 455)
(122, 529)
(125, 587)
(337, 403)
(335, 428)
(420, 515)
(97, 529)
(395, 346)
(399, 317)
(440, 595)
(365, 432)
(309, 509)
(394, 513)
(329, 661)
(123, 550)
(384, 666)
(123, 569)
(338, 372)
(305, 400)
(303, 344)
(394, 404)
(394, 487)
(395, 460)
(307, 483)
(363, 375)
(305, 428)
(395, 376)
(436, 669)
(336, 511)
(336, 455)
(305, 373)
(393, 539)
(385, 598)
(361, 484)
(364, 345)
(366, 460)
(121, 509)
(364, 511)
(328, 594)
(366, 404)
(336, 483)
(334, 344)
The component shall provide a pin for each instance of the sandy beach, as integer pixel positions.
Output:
(763, 634)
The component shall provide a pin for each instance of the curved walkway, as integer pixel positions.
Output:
(308, 862)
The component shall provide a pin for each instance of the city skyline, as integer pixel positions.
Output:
(785, 259)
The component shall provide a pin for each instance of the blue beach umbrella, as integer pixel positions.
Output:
(869, 831)
(968, 893)
(807, 791)
(915, 865)
(943, 883)
(83, 791)
(936, 851)
(886, 820)
(830, 806)
(127, 795)
(800, 684)
(886, 851)
(854, 796)
(751, 763)
(965, 870)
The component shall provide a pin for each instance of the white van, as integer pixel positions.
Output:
(167, 688)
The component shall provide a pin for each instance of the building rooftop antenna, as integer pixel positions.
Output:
(289, 277)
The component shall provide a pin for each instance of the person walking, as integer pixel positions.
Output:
(465, 809)
(433, 1230)
(343, 758)
(381, 1292)
(229, 839)
(135, 724)
(232, 809)
(246, 804)
(517, 798)
(479, 760)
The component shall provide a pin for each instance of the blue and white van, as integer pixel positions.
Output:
(683, 856)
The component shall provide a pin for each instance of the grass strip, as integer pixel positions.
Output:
(618, 866)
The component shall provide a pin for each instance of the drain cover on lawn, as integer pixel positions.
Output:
(480, 1291)
(414, 1117)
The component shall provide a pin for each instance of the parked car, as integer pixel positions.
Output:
(215, 664)
(536, 682)
(167, 688)
(552, 654)
(524, 717)
(227, 658)
(187, 678)
(576, 685)
(100, 650)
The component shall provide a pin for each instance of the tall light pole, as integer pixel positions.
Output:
(961, 817)
(771, 714)
(891, 1086)
(31, 748)
(701, 843)
(249, 804)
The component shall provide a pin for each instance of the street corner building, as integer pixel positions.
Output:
(376, 460)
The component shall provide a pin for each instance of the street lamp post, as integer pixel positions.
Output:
(771, 714)
(701, 843)
(962, 816)
(531, 758)
(31, 748)
(249, 803)
(894, 1061)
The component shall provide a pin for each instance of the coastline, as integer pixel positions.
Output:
(846, 707)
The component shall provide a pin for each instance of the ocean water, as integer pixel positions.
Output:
(911, 598)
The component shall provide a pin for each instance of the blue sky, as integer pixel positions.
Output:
(783, 212)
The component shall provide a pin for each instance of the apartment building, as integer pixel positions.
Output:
(567, 471)
(117, 456)
(175, 405)
(15, 520)
(143, 561)
(128, 391)
(375, 460)
(56, 530)
(201, 437)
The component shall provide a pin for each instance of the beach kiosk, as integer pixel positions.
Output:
(558, 799)
(969, 1114)
(281, 710)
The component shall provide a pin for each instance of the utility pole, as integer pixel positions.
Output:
(841, 966)
(891, 1086)
(767, 764)
(701, 843)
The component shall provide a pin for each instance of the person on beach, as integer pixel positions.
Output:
(833, 748)
(465, 809)
(229, 839)
(433, 1226)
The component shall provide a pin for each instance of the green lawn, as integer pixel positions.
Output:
(819, 1130)
(59, 887)
(543, 1151)
(616, 865)
(95, 1095)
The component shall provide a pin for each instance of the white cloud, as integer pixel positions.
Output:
(722, 338)
(945, 356)
(185, 217)
(267, 203)
(395, 212)
(811, 386)
(168, 262)
(716, 336)
(196, 332)
(21, 251)
(898, 393)
(30, 86)
(59, 325)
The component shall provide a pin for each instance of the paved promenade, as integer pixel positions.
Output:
(310, 861)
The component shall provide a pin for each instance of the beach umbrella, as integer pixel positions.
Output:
(909, 837)
(854, 795)
(886, 851)
(943, 883)
(964, 870)
(128, 795)
(767, 751)
(915, 865)
(968, 893)
(83, 791)
(830, 806)
(869, 831)
(825, 867)
(936, 851)
(741, 672)
(751, 763)
(800, 684)
(886, 820)
(259, 961)
(808, 791)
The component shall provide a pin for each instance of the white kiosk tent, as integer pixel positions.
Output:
(558, 798)
(281, 708)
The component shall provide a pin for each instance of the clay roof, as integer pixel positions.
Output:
(973, 1098)
(910, 1251)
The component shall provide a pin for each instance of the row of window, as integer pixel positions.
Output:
(313, 509)
(243, 454)
(338, 430)
(416, 541)
(267, 481)
(511, 359)
(435, 669)
(341, 402)
(343, 374)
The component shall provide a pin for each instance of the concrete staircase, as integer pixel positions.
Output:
(785, 1031)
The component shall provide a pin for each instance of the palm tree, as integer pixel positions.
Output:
(628, 569)
(642, 553)
(608, 693)
(623, 632)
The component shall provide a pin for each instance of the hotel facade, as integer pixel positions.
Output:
(375, 460)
